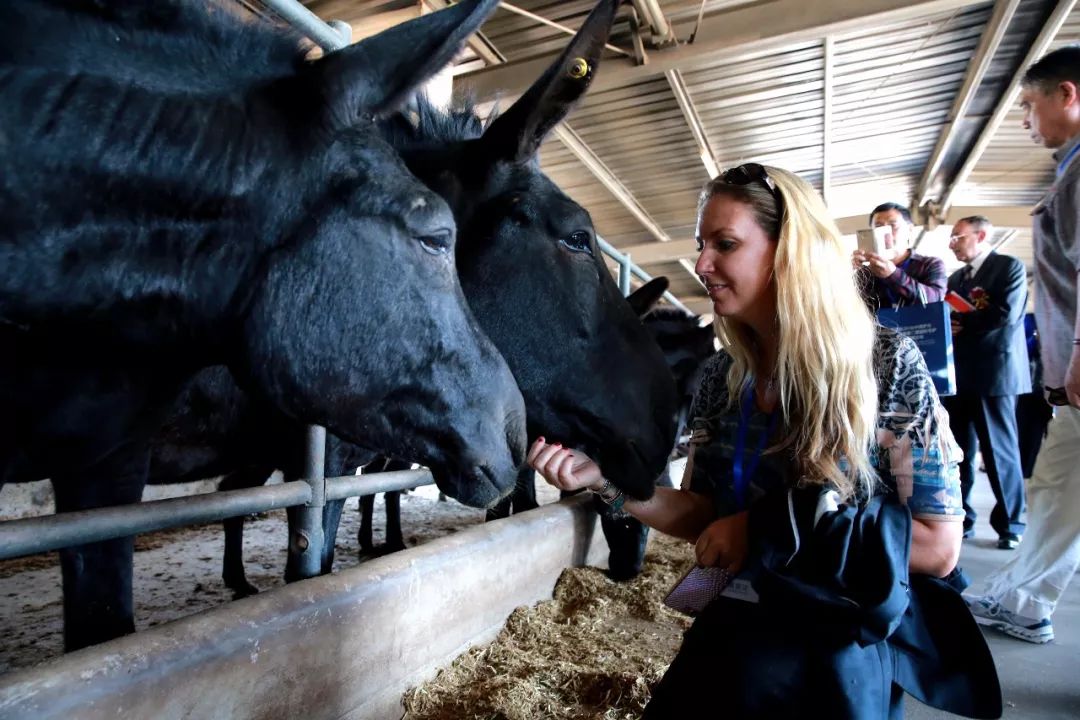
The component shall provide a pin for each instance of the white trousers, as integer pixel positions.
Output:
(1032, 582)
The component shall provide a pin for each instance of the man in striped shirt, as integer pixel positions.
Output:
(900, 276)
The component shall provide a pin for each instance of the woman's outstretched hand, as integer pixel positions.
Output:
(724, 543)
(564, 468)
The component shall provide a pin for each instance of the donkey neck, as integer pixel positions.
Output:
(149, 242)
(129, 203)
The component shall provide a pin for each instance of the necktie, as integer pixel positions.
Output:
(965, 279)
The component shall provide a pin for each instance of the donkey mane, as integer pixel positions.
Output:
(145, 98)
(423, 125)
(144, 109)
(206, 49)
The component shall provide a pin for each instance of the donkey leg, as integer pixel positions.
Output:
(365, 535)
(524, 495)
(626, 537)
(521, 499)
(98, 604)
(499, 510)
(394, 540)
(331, 522)
(392, 502)
(232, 562)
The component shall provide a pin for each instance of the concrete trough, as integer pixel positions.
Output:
(341, 646)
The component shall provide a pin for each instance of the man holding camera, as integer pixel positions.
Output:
(991, 371)
(897, 276)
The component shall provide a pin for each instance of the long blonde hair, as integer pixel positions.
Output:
(824, 369)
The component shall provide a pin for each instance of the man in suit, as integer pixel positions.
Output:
(991, 370)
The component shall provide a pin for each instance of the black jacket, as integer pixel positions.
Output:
(991, 350)
(838, 623)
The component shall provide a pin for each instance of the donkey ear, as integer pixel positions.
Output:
(378, 74)
(645, 297)
(516, 135)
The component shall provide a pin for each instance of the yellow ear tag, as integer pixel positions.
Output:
(579, 68)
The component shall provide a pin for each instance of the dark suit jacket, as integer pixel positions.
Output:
(991, 351)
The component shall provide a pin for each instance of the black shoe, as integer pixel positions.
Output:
(1009, 541)
(969, 533)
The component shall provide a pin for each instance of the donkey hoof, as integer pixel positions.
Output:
(243, 590)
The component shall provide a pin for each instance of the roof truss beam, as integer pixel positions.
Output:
(728, 33)
(693, 120)
(1003, 13)
(1008, 99)
(608, 179)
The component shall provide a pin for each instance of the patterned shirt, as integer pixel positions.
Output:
(913, 452)
(923, 272)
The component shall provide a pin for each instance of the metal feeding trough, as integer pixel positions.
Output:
(339, 646)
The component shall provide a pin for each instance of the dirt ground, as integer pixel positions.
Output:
(178, 572)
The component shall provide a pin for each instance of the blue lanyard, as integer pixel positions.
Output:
(1065, 161)
(741, 476)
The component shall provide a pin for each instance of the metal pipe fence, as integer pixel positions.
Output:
(630, 268)
(52, 532)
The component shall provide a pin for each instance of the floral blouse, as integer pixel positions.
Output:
(914, 452)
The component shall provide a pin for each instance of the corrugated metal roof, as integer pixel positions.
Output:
(1013, 170)
(893, 90)
(767, 108)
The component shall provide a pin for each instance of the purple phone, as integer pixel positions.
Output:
(697, 588)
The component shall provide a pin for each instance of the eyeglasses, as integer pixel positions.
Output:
(748, 173)
(1057, 396)
(954, 238)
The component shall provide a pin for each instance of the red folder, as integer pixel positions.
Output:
(958, 303)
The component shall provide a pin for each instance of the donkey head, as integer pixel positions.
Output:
(684, 341)
(359, 321)
(528, 260)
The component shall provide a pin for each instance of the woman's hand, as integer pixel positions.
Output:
(564, 468)
(724, 543)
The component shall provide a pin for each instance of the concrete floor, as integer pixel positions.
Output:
(1037, 681)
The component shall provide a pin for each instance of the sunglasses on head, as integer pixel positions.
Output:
(1057, 396)
(748, 173)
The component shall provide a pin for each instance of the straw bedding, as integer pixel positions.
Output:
(594, 651)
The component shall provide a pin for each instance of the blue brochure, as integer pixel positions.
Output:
(928, 325)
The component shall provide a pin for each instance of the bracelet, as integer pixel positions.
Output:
(611, 495)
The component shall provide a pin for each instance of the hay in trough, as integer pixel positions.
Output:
(594, 651)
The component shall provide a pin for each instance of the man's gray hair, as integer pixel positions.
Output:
(979, 222)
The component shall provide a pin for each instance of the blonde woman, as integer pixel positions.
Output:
(808, 391)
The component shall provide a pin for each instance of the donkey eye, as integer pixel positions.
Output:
(437, 243)
(579, 241)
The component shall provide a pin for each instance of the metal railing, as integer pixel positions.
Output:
(627, 268)
(52, 532)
